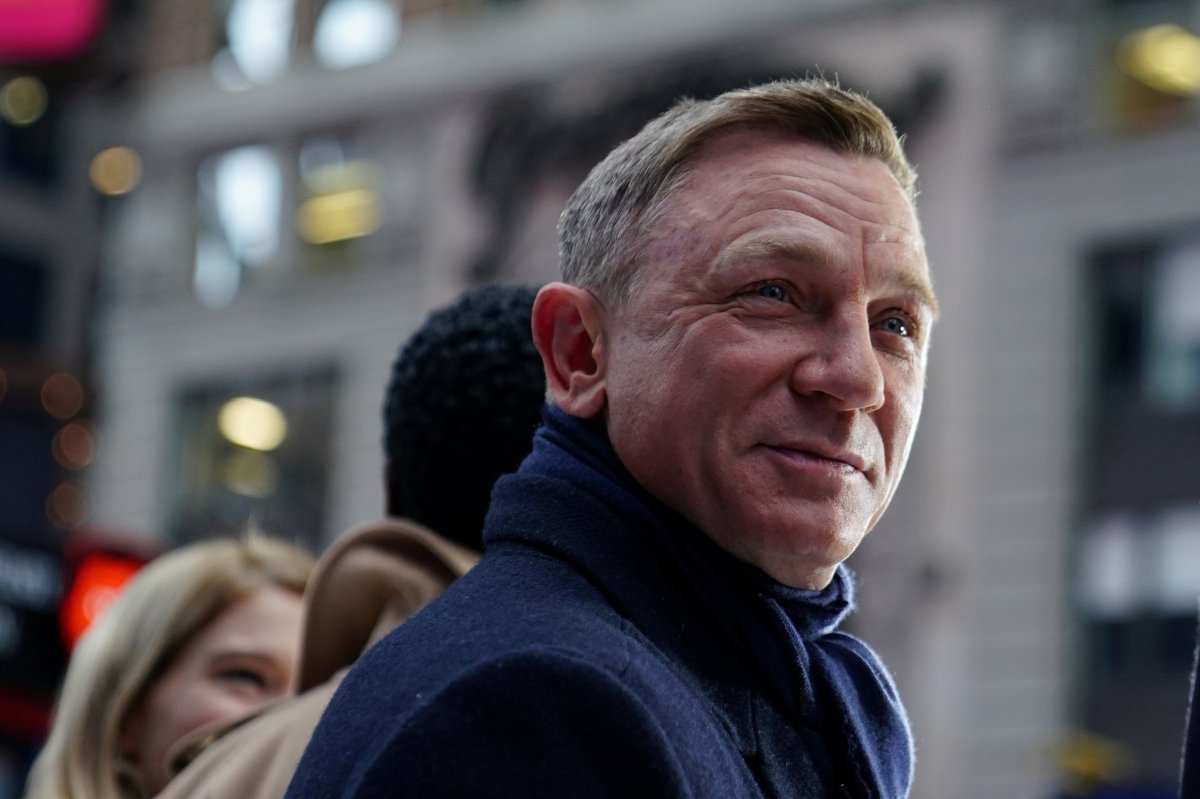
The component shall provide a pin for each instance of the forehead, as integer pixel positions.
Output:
(744, 164)
(762, 193)
(254, 619)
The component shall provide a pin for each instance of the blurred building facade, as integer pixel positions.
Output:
(287, 188)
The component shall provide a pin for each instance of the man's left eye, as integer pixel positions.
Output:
(772, 291)
(896, 325)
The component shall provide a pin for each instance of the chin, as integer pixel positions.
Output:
(808, 577)
(803, 550)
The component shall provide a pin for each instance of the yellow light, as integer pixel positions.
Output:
(1164, 57)
(74, 446)
(1089, 759)
(115, 171)
(342, 215)
(62, 395)
(252, 423)
(23, 100)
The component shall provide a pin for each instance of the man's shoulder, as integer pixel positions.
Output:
(530, 664)
(522, 595)
(502, 653)
(536, 718)
(499, 613)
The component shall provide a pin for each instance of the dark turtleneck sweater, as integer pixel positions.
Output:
(606, 647)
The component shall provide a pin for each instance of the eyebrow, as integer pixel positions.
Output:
(764, 249)
(818, 252)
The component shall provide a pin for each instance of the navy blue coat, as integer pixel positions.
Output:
(591, 653)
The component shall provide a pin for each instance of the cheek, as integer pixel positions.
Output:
(197, 705)
(675, 398)
(169, 717)
(898, 426)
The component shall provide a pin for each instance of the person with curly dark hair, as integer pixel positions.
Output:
(461, 408)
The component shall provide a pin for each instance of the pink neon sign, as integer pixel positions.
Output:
(47, 30)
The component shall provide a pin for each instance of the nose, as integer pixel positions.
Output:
(840, 363)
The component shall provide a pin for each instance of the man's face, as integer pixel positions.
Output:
(766, 376)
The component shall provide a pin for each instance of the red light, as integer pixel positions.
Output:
(47, 30)
(97, 583)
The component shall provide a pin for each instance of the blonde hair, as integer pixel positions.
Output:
(601, 230)
(118, 660)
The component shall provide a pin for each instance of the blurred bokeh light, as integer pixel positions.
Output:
(23, 100)
(62, 395)
(115, 171)
(1165, 57)
(252, 423)
(74, 446)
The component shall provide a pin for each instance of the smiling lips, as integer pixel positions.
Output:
(821, 455)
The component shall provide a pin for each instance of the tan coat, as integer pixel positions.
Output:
(370, 580)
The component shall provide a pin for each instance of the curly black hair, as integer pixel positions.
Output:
(464, 399)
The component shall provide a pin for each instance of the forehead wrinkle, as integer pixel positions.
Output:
(765, 180)
(848, 181)
(859, 205)
(876, 220)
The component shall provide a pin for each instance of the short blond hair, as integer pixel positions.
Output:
(602, 229)
(117, 661)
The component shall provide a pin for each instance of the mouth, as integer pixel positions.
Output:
(820, 455)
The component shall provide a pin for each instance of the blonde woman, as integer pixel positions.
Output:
(207, 632)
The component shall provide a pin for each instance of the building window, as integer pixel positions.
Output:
(340, 198)
(1137, 564)
(239, 208)
(262, 217)
(254, 452)
(1149, 319)
(1077, 70)
(1153, 63)
(350, 33)
(1172, 371)
(1134, 564)
(254, 42)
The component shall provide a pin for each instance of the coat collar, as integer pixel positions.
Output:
(766, 656)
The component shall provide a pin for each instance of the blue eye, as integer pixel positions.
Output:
(896, 325)
(772, 291)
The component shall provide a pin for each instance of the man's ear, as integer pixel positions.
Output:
(568, 329)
